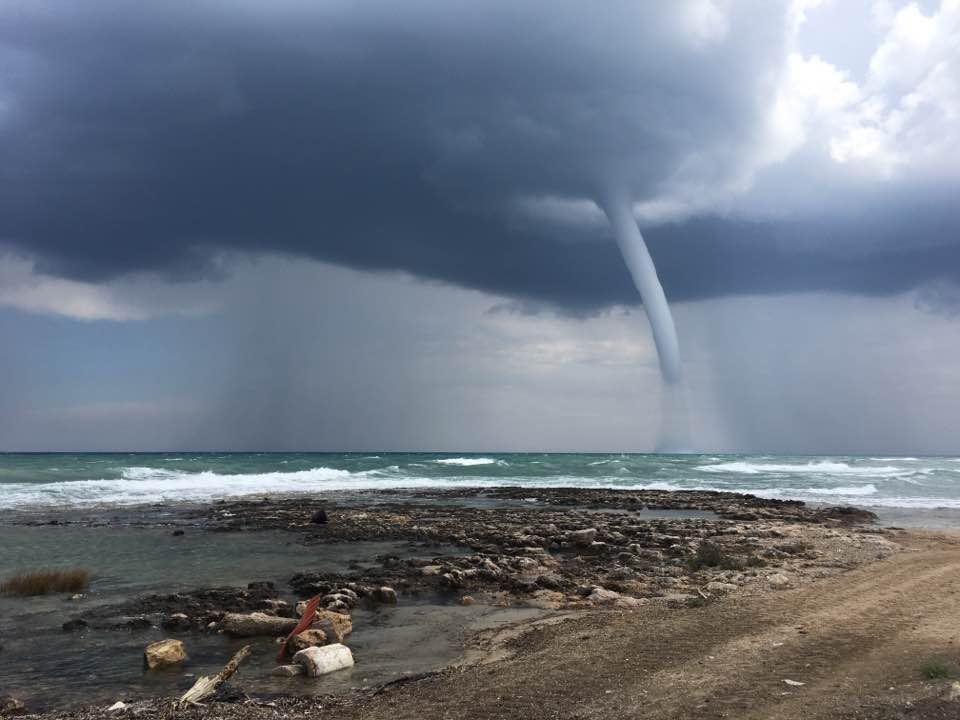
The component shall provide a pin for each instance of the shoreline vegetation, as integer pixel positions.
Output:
(46, 582)
(650, 604)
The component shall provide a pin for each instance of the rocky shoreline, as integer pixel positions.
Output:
(569, 550)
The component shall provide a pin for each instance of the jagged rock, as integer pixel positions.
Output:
(312, 637)
(117, 706)
(340, 600)
(10, 705)
(165, 653)
(318, 661)
(491, 566)
(386, 595)
(288, 670)
(582, 538)
(340, 623)
(254, 624)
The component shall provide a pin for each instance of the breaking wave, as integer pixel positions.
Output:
(468, 462)
(818, 468)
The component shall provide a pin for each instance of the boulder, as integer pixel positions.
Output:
(336, 625)
(466, 600)
(254, 624)
(720, 587)
(778, 581)
(312, 637)
(953, 692)
(163, 654)
(386, 595)
(583, 538)
(317, 661)
(10, 705)
(288, 670)
(319, 517)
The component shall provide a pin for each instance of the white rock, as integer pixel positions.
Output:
(778, 581)
(582, 538)
(319, 661)
(118, 705)
(602, 595)
(716, 586)
(629, 603)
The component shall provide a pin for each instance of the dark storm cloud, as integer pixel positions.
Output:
(378, 136)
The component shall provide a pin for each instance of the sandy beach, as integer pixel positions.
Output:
(555, 603)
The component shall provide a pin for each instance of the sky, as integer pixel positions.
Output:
(363, 226)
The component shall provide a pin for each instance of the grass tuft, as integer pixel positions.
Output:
(935, 671)
(44, 582)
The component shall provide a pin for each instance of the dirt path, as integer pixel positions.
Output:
(851, 640)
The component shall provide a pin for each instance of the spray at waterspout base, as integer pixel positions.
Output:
(674, 427)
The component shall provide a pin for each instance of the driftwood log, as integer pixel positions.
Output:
(206, 686)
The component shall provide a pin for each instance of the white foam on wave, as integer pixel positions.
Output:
(468, 462)
(819, 468)
(149, 485)
(144, 485)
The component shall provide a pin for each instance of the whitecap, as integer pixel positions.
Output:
(468, 462)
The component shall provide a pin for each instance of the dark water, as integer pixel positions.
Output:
(47, 667)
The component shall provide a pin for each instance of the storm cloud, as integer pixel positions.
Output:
(466, 142)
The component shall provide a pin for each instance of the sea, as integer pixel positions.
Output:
(37, 480)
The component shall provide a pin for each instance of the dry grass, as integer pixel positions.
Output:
(43, 582)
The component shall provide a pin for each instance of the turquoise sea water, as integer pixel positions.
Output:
(56, 479)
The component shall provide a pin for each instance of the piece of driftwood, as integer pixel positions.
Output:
(206, 686)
